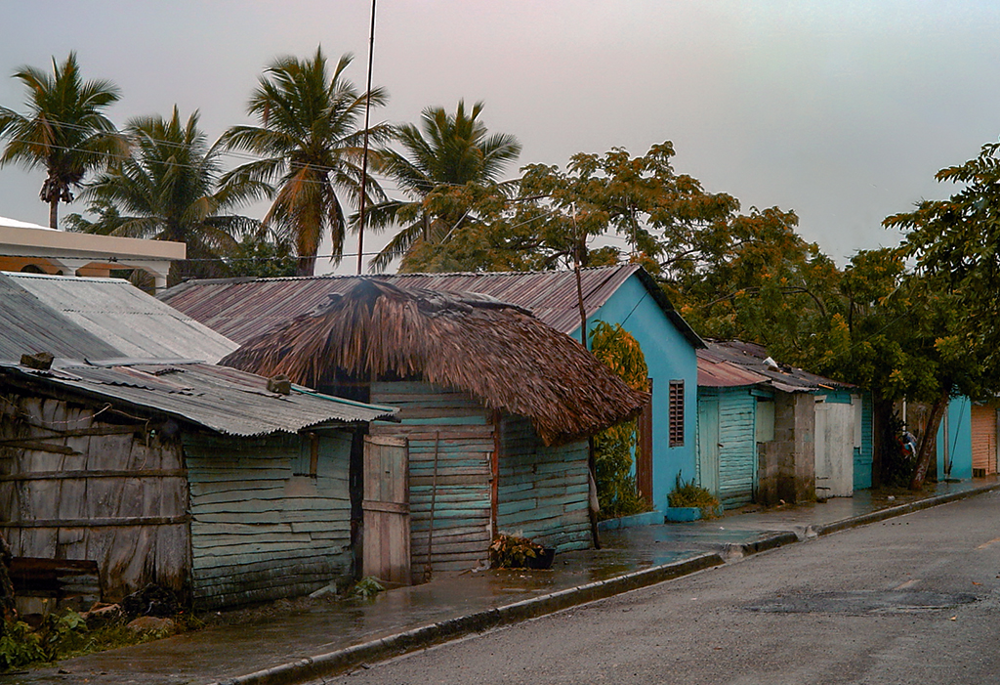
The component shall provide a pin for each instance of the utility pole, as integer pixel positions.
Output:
(364, 156)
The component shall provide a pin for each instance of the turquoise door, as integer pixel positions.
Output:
(708, 443)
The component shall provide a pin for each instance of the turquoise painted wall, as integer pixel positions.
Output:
(959, 440)
(669, 356)
(863, 456)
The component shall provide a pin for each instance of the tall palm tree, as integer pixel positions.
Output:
(166, 190)
(446, 150)
(64, 131)
(310, 138)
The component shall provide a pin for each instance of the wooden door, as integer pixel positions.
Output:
(644, 450)
(708, 443)
(834, 447)
(386, 508)
(984, 440)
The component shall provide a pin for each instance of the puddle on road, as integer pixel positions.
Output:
(871, 602)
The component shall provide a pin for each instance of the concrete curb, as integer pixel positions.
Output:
(341, 660)
(901, 510)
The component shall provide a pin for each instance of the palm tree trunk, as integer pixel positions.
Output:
(54, 212)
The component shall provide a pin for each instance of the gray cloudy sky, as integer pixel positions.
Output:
(842, 111)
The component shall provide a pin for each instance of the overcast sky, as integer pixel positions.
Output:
(842, 111)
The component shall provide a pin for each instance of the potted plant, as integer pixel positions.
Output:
(690, 502)
(513, 551)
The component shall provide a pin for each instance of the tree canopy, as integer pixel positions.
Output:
(310, 142)
(65, 130)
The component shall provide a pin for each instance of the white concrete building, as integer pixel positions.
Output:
(30, 247)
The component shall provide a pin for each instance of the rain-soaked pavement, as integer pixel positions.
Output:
(323, 629)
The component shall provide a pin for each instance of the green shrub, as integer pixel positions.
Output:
(687, 494)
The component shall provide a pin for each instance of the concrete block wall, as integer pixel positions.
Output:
(787, 464)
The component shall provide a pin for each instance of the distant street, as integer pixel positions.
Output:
(913, 600)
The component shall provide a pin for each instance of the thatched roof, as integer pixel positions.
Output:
(495, 351)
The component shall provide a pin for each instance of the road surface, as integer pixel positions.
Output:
(912, 600)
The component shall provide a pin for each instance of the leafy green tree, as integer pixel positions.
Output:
(954, 245)
(613, 447)
(64, 131)
(166, 190)
(261, 255)
(447, 151)
(310, 140)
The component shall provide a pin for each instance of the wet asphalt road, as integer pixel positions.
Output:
(915, 599)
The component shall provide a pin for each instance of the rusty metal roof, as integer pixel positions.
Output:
(222, 399)
(714, 372)
(734, 363)
(243, 308)
(98, 318)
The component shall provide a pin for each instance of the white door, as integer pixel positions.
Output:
(835, 437)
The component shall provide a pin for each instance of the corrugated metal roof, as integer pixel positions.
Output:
(222, 399)
(243, 308)
(750, 358)
(126, 319)
(717, 373)
(28, 326)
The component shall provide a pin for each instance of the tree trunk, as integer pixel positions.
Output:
(926, 440)
(884, 438)
(54, 212)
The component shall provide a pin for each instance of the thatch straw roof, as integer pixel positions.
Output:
(495, 351)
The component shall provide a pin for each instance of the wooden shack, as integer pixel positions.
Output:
(124, 462)
(496, 408)
(195, 477)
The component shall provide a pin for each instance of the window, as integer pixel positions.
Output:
(676, 399)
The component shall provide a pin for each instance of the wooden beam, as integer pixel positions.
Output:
(73, 475)
(99, 522)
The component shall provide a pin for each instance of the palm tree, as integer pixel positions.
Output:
(310, 140)
(451, 150)
(166, 190)
(64, 130)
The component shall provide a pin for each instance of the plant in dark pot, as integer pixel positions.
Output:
(513, 551)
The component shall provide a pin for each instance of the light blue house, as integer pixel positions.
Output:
(625, 295)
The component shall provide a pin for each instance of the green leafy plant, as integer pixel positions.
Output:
(19, 646)
(512, 551)
(366, 588)
(614, 446)
(687, 494)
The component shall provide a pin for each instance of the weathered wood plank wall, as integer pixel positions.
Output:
(74, 486)
(263, 526)
(738, 453)
(543, 491)
(451, 442)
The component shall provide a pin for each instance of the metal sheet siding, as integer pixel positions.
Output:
(28, 326)
(222, 399)
(260, 532)
(240, 309)
(127, 319)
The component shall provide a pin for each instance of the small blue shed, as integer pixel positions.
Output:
(768, 431)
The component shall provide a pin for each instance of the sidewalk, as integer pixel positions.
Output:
(324, 636)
